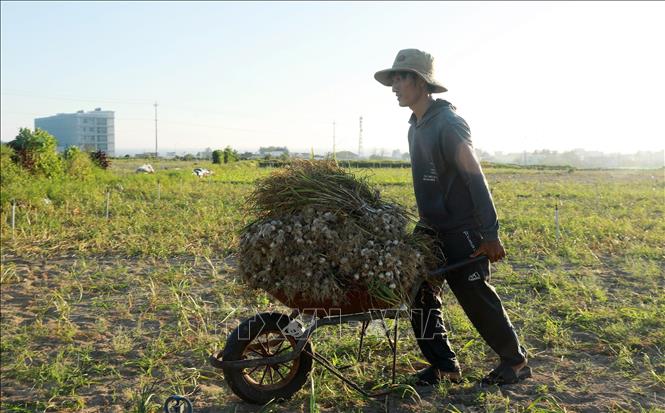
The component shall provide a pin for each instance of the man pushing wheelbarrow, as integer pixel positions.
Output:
(325, 243)
(456, 207)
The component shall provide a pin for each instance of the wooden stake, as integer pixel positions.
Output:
(556, 220)
(108, 202)
(13, 217)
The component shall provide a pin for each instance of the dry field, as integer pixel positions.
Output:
(115, 315)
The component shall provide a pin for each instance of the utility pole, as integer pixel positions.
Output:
(334, 155)
(156, 147)
(360, 138)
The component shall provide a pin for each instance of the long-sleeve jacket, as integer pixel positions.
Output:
(450, 187)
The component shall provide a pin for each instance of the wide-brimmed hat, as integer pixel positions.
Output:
(412, 60)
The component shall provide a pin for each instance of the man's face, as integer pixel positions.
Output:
(406, 88)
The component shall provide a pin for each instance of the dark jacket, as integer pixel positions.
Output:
(451, 190)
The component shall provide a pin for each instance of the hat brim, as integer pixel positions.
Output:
(385, 78)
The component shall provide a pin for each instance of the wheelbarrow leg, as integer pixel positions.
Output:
(394, 347)
(363, 329)
(325, 363)
(386, 331)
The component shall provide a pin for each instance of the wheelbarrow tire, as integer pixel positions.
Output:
(237, 342)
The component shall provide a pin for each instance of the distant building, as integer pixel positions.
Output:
(90, 131)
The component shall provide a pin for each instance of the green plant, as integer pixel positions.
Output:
(11, 171)
(100, 159)
(36, 152)
(77, 163)
(217, 156)
(230, 155)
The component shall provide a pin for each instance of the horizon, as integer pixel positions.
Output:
(368, 152)
(526, 76)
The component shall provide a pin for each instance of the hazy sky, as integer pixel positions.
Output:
(524, 75)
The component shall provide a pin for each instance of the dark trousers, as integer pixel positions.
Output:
(478, 299)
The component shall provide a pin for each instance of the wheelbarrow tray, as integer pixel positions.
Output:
(355, 301)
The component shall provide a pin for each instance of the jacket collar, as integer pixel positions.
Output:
(431, 112)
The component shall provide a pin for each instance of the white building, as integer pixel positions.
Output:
(90, 131)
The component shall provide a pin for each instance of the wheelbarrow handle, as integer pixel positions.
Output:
(443, 270)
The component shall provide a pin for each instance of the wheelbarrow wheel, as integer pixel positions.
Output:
(258, 337)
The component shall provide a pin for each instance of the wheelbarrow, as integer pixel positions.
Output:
(269, 356)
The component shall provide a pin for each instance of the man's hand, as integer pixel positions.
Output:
(492, 249)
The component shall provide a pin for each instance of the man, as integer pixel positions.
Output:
(454, 204)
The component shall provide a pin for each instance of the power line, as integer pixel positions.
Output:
(333, 151)
(121, 118)
(156, 147)
(265, 133)
(360, 138)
